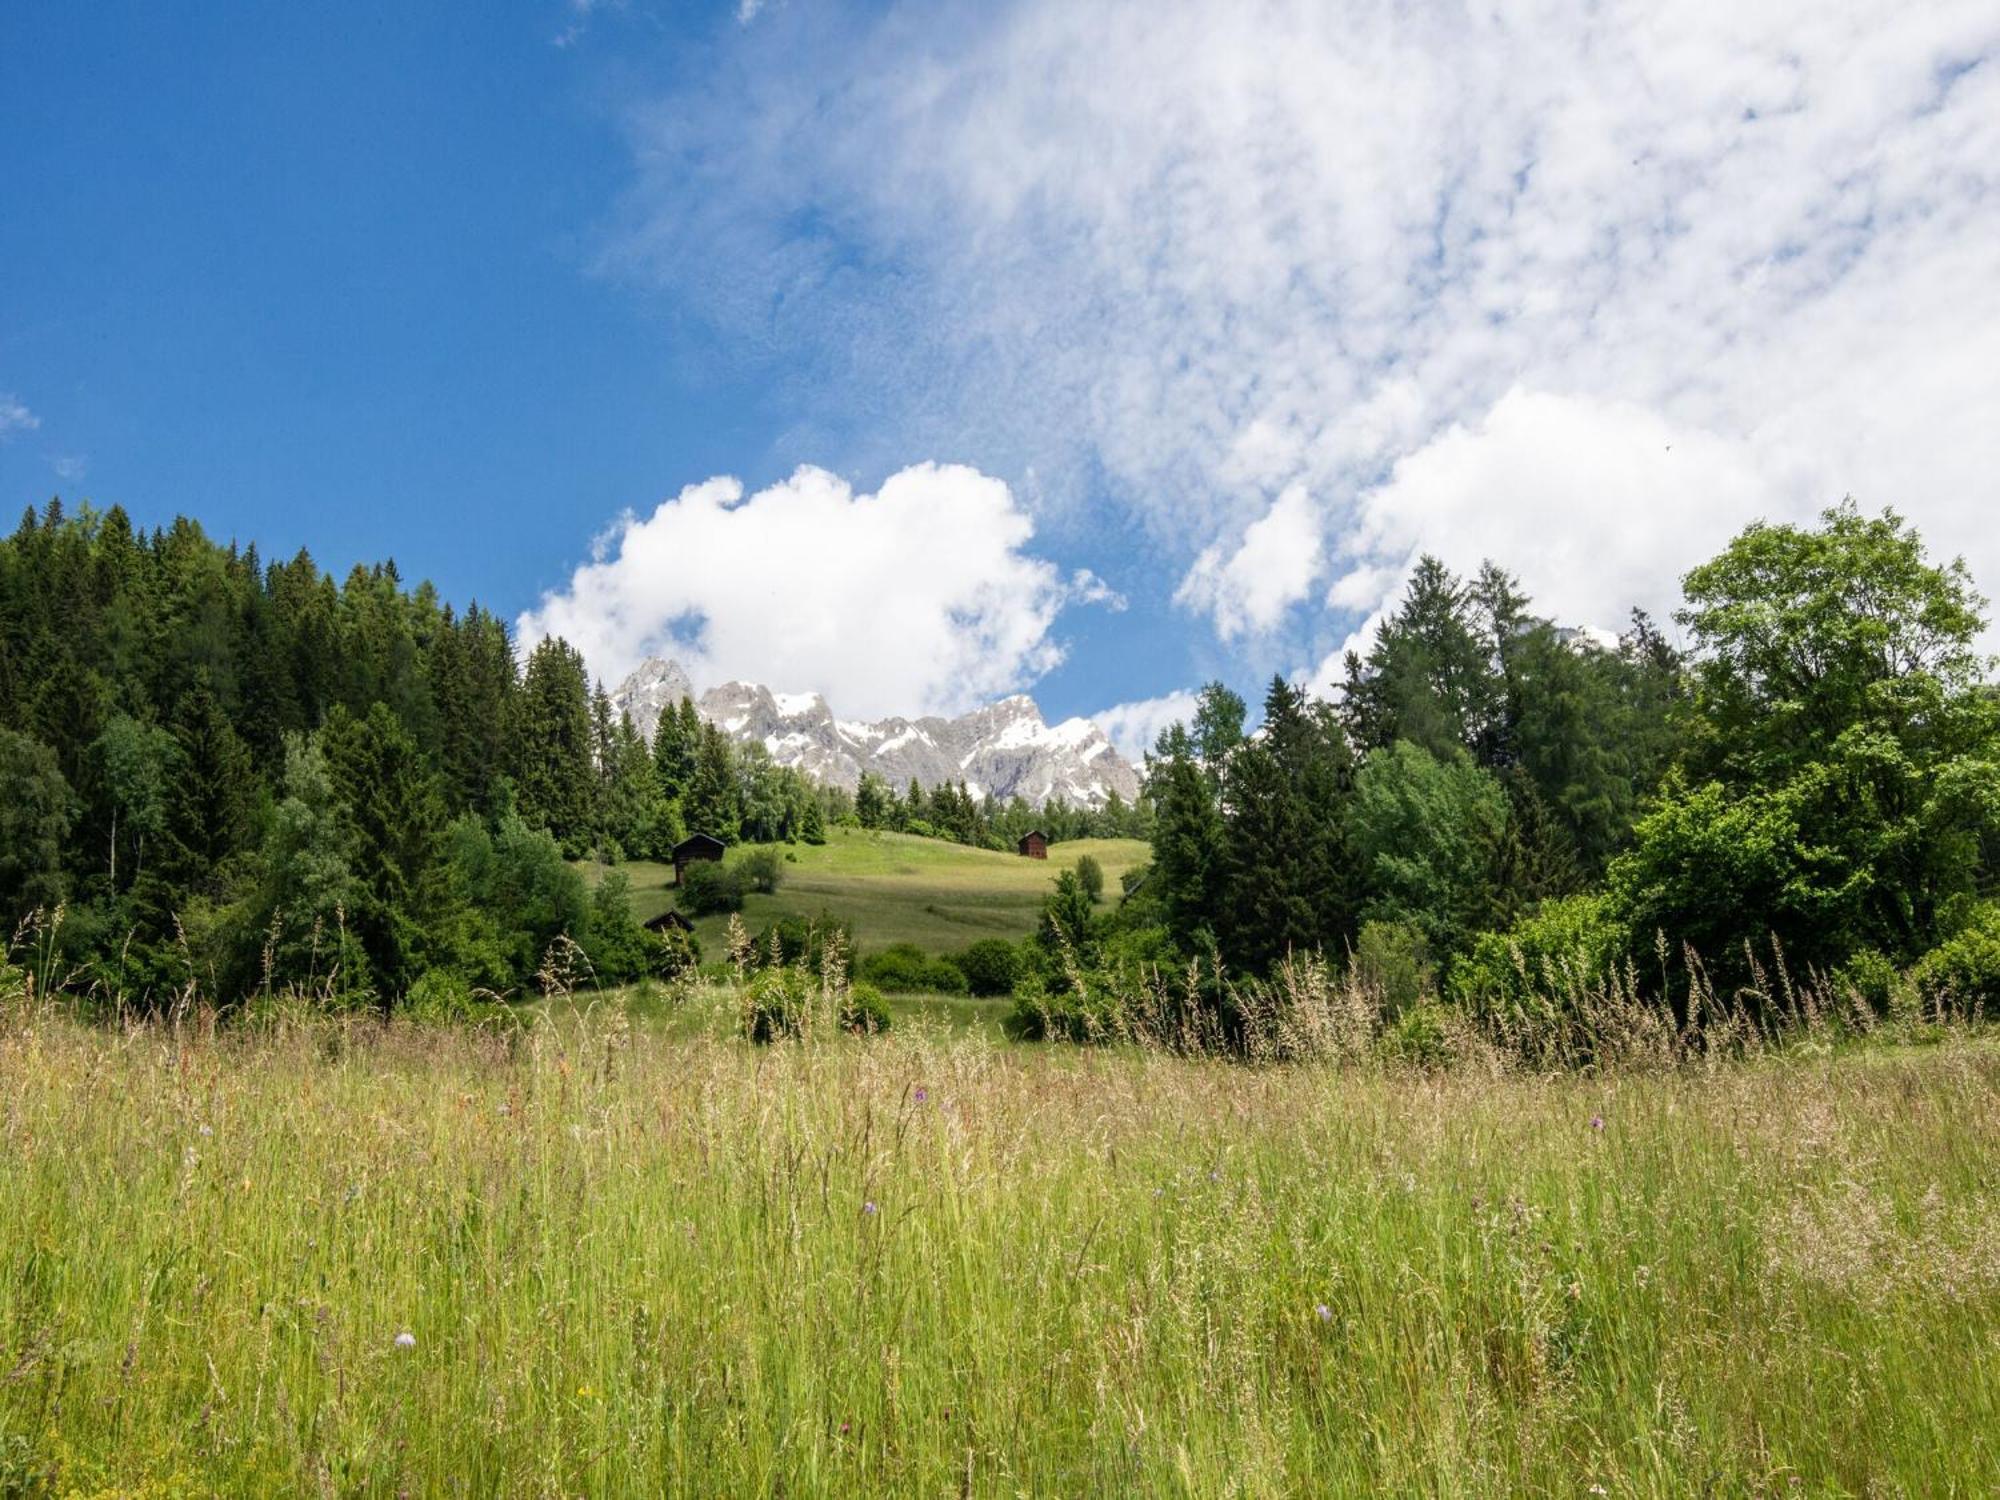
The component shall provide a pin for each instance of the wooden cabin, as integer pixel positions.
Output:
(1034, 844)
(694, 849)
(668, 921)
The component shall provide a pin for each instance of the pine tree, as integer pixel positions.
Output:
(553, 745)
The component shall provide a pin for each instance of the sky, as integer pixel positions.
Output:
(918, 354)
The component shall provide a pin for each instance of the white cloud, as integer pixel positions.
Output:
(1207, 252)
(1136, 727)
(15, 419)
(1272, 568)
(917, 598)
(70, 467)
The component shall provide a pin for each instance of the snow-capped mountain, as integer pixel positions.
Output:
(1004, 748)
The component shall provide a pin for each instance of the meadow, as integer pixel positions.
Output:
(895, 887)
(588, 1255)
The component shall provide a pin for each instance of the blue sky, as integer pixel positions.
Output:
(1146, 346)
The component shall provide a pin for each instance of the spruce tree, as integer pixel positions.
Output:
(553, 745)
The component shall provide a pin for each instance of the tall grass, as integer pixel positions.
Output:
(924, 1264)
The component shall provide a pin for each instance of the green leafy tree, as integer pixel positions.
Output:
(35, 816)
(1425, 829)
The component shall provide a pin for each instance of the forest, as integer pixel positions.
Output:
(229, 776)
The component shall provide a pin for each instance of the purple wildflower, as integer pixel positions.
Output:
(922, 1094)
(1597, 1122)
(868, 1206)
(1324, 1313)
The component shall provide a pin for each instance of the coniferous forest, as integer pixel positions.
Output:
(238, 775)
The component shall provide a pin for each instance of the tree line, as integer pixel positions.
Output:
(1814, 781)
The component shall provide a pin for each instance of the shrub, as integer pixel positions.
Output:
(866, 1012)
(675, 954)
(1421, 1037)
(1562, 947)
(1966, 966)
(778, 1004)
(906, 967)
(795, 939)
(439, 995)
(1872, 977)
(1082, 1009)
(1090, 875)
(708, 888)
(1394, 960)
(990, 966)
(762, 869)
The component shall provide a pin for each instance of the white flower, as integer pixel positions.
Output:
(406, 1340)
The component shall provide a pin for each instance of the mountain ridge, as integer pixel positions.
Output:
(1003, 749)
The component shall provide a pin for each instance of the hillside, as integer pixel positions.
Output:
(896, 888)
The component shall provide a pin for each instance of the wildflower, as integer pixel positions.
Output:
(1597, 1122)
(922, 1094)
(406, 1340)
(205, 1130)
(868, 1206)
(1324, 1313)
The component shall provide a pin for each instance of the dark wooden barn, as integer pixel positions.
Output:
(669, 921)
(693, 849)
(1034, 844)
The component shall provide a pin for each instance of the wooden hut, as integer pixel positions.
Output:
(668, 921)
(694, 849)
(1034, 844)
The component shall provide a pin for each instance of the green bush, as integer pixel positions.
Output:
(1394, 960)
(906, 967)
(1421, 1037)
(439, 995)
(675, 954)
(866, 1012)
(802, 940)
(708, 888)
(778, 1004)
(990, 967)
(1965, 967)
(1090, 875)
(1563, 946)
(1872, 976)
(1063, 1012)
(762, 869)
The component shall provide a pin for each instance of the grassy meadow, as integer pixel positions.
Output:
(896, 887)
(598, 1256)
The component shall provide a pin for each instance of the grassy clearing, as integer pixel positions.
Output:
(927, 1264)
(896, 888)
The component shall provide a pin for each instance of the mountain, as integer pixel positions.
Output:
(1005, 748)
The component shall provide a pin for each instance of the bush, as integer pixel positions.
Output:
(990, 966)
(1872, 977)
(1561, 948)
(1421, 1037)
(675, 954)
(799, 940)
(762, 869)
(1085, 1011)
(906, 967)
(439, 995)
(778, 1004)
(1394, 960)
(866, 1012)
(1090, 875)
(708, 887)
(1966, 966)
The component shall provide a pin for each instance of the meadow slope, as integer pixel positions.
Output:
(579, 1259)
(896, 887)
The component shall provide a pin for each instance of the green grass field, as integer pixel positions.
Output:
(895, 888)
(587, 1259)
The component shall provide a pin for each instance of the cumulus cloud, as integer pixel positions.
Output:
(1270, 569)
(1204, 254)
(916, 598)
(15, 418)
(1136, 727)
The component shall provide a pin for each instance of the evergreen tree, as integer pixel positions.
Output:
(710, 804)
(554, 746)
(35, 816)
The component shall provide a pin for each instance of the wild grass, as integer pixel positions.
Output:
(932, 1264)
(897, 888)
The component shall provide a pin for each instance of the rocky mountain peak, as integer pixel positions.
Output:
(1005, 748)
